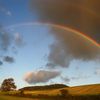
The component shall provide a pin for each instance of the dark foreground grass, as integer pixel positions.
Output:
(21, 96)
(3, 97)
(40, 97)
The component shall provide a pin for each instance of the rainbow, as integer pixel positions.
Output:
(57, 26)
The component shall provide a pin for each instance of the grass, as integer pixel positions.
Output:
(77, 90)
(2, 97)
(92, 92)
(85, 90)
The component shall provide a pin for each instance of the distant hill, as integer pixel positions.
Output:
(55, 89)
(46, 87)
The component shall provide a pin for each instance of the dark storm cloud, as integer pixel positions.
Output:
(8, 59)
(41, 76)
(68, 46)
(81, 15)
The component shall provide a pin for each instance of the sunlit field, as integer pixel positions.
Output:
(88, 92)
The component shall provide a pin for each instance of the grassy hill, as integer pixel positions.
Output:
(77, 90)
(86, 92)
(45, 87)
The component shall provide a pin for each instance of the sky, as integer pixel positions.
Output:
(40, 44)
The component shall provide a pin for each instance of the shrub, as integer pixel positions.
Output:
(64, 93)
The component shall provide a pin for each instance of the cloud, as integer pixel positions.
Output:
(8, 59)
(18, 39)
(97, 72)
(80, 15)
(65, 79)
(5, 11)
(69, 46)
(5, 45)
(8, 42)
(8, 13)
(5, 40)
(1, 63)
(14, 50)
(40, 76)
(81, 77)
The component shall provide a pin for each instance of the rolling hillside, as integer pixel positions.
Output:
(85, 90)
(77, 90)
(45, 87)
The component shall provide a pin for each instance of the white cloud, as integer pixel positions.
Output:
(40, 76)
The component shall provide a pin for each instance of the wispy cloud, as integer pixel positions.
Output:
(5, 11)
(5, 40)
(80, 77)
(8, 13)
(65, 79)
(19, 39)
(9, 41)
(97, 71)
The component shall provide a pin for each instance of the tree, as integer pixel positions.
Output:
(8, 85)
(64, 93)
